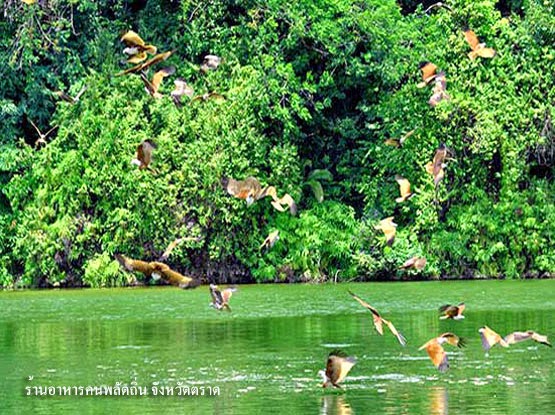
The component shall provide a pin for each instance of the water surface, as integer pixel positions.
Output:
(265, 355)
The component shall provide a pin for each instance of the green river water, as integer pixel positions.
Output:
(264, 356)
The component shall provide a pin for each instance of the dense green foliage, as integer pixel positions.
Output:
(312, 88)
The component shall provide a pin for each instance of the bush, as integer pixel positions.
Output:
(103, 271)
(309, 87)
(316, 246)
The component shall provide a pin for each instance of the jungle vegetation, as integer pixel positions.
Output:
(312, 89)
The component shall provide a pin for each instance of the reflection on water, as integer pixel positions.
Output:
(335, 405)
(262, 357)
(439, 400)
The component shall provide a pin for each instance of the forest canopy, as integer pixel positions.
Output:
(312, 97)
